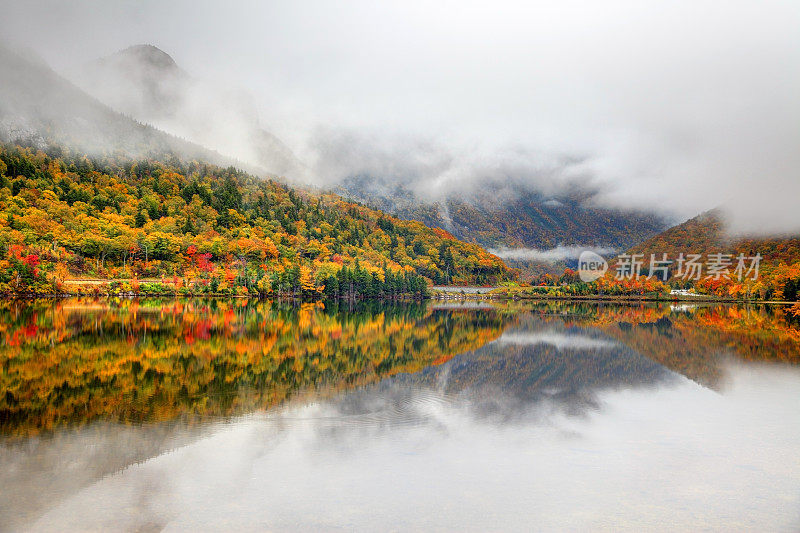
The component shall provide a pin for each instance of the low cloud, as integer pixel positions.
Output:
(144, 82)
(435, 169)
(675, 108)
(550, 256)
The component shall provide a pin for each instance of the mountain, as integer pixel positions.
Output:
(87, 191)
(146, 83)
(141, 81)
(508, 219)
(707, 233)
(39, 107)
(778, 276)
(208, 229)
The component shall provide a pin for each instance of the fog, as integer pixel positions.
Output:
(144, 82)
(551, 256)
(676, 107)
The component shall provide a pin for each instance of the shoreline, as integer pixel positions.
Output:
(455, 295)
(98, 288)
(441, 296)
(134, 295)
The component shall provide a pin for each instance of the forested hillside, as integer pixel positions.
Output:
(523, 219)
(779, 268)
(706, 233)
(208, 229)
(748, 268)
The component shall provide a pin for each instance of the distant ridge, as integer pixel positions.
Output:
(526, 219)
(39, 107)
(146, 83)
(707, 233)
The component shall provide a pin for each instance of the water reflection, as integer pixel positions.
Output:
(538, 360)
(551, 416)
(73, 361)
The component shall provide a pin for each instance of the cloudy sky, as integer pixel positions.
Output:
(671, 105)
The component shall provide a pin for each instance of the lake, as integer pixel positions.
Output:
(241, 415)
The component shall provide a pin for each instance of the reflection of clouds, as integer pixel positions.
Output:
(672, 455)
(69, 460)
(472, 305)
(486, 441)
(561, 341)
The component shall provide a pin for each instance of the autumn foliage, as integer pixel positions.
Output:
(204, 229)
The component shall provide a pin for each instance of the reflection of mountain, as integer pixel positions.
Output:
(146, 83)
(538, 360)
(168, 361)
(67, 364)
(198, 355)
(73, 361)
(78, 360)
(564, 353)
(696, 343)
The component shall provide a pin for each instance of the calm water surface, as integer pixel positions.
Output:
(170, 415)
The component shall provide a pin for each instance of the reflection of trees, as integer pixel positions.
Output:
(692, 341)
(76, 360)
(508, 379)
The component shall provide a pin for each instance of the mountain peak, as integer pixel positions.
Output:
(137, 61)
(149, 55)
